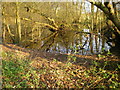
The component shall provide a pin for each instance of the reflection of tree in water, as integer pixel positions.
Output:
(63, 37)
(58, 34)
(82, 42)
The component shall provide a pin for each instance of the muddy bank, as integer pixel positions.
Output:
(84, 60)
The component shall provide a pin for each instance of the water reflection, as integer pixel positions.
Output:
(80, 43)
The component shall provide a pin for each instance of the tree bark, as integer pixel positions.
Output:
(18, 22)
(109, 12)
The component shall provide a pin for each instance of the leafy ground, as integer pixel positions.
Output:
(23, 68)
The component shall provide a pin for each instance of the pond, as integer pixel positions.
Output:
(74, 42)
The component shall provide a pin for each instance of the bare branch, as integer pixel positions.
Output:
(44, 24)
(109, 12)
(8, 28)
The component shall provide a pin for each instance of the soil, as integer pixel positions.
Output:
(47, 61)
(85, 60)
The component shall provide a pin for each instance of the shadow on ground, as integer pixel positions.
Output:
(81, 60)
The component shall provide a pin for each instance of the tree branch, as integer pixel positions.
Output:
(109, 13)
(44, 24)
(8, 28)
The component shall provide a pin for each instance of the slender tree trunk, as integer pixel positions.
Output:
(3, 24)
(92, 28)
(4, 31)
(109, 11)
(18, 23)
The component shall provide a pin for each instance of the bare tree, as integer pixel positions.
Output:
(110, 11)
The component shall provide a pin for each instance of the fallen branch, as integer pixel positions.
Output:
(44, 24)
(54, 36)
(37, 39)
(51, 20)
(42, 14)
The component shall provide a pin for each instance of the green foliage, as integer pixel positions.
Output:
(104, 78)
(18, 73)
(97, 71)
(103, 54)
(71, 59)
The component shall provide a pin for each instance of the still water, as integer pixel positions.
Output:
(78, 43)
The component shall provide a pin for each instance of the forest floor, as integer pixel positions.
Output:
(53, 70)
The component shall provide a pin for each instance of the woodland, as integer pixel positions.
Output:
(74, 44)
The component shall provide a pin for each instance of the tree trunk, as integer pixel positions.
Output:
(18, 22)
(4, 31)
(109, 11)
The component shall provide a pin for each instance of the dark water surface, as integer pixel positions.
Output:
(78, 43)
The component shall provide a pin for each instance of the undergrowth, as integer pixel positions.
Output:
(17, 72)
